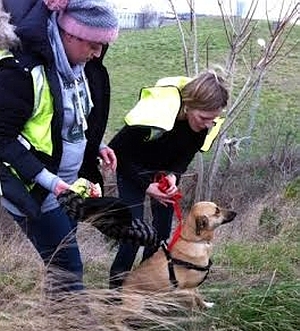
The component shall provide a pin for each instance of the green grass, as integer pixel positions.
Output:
(248, 298)
(139, 58)
(258, 284)
(266, 308)
(265, 257)
(23, 283)
(293, 189)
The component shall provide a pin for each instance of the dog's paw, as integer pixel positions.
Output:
(208, 304)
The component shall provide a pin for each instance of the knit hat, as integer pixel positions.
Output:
(92, 20)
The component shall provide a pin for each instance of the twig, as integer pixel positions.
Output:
(269, 287)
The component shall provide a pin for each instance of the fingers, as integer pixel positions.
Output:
(60, 187)
(164, 198)
(109, 158)
(172, 190)
(165, 202)
(111, 161)
(95, 190)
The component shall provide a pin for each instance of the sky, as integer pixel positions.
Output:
(210, 7)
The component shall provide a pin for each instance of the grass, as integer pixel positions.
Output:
(266, 308)
(262, 258)
(255, 278)
(140, 58)
(254, 284)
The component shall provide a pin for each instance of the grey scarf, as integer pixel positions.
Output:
(67, 74)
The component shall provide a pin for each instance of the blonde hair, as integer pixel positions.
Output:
(206, 92)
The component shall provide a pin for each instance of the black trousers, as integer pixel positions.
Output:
(161, 219)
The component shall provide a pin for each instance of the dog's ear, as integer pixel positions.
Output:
(201, 223)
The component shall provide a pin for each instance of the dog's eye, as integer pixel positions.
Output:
(217, 211)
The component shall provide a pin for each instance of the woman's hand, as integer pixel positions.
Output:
(172, 189)
(109, 158)
(164, 198)
(95, 190)
(60, 187)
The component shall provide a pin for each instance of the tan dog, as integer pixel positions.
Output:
(189, 258)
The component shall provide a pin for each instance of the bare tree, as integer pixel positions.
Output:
(257, 60)
(189, 38)
(260, 63)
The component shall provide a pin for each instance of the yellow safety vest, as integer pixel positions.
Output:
(159, 105)
(37, 130)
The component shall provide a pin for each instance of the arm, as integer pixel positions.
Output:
(164, 195)
(108, 157)
(126, 143)
(16, 106)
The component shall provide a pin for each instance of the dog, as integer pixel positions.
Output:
(180, 268)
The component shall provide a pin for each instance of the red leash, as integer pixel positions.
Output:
(163, 186)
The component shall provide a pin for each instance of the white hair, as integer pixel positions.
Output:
(8, 38)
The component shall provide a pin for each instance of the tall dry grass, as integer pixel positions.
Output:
(24, 305)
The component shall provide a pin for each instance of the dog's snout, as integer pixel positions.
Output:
(229, 216)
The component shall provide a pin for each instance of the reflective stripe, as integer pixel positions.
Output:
(4, 53)
(37, 130)
(38, 81)
(212, 134)
(24, 142)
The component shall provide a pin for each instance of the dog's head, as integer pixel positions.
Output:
(204, 217)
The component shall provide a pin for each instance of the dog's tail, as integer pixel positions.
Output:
(111, 216)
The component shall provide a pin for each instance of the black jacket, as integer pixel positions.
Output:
(16, 106)
(139, 158)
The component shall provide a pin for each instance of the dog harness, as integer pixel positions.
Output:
(172, 261)
(163, 186)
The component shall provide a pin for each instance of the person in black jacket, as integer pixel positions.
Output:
(54, 105)
(163, 132)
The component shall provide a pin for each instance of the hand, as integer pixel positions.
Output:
(95, 190)
(109, 158)
(172, 189)
(60, 187)
(154, 192)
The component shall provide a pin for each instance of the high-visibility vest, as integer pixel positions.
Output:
(37, 130)
(158, 107)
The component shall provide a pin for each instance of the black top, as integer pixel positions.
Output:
(140, 158)
(17, 100)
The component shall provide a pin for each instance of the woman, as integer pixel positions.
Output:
(171, 122)
(54, 107)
